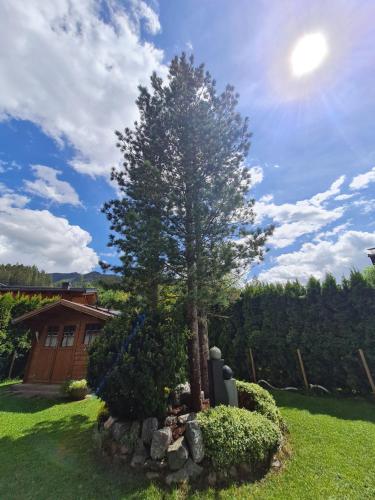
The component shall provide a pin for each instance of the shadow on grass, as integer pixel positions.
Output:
(342, 408)
(57, 459)
(16, 403)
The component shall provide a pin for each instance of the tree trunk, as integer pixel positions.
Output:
(12, 364)
(192, 312)
(203, 350)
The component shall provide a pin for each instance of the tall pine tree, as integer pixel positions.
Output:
(185, 214)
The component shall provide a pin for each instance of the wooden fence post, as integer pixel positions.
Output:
(252, 365)
(303, 370)
(367, 370)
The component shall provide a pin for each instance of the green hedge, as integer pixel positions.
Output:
(16, 337)
(234, 436)
(327, 321)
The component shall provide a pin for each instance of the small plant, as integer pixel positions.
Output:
(254, 398)
(75, 389)
(234, 436)
(103, 415)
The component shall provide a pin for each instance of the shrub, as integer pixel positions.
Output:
(75, 389)
(233, 436)
(133, 383)
(254, 398)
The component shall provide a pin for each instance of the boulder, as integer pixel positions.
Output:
(188, 417)
(189, 471)
(109, 422)
(181, 394)
(177, 454)
(161, 439)
(170, 420)
(211, 478)
(152, 475)
(156, 465)
(194, 438)
(140, 454)
(119, 429)
(149, 426)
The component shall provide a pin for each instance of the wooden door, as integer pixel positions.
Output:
(63, 363)
(43, 355)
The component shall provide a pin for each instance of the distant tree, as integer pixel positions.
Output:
(18, 274)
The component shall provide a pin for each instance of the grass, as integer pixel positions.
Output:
(46, 452)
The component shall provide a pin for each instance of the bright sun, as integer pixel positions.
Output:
(308, 53)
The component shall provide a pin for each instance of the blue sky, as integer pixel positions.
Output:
(70, 72)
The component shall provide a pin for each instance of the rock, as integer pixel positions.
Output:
(188, 417)
(135, 430)
(140, 455)
(125, 450)
(181, 394)
(194, 438)
(189, 471)
(177, 454)
(169, 421)
(161, 439)
(211, 478)
(276, 464)
(152, 475)
(149, 426)
(156, 465)
(119, 429)
(109, 422)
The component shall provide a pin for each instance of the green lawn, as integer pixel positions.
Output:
(46, 451)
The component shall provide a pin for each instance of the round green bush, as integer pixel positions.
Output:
(133, 384)
(75, 389)
(234, 436)
(254, 398)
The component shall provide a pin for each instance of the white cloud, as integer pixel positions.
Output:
(256, 175)
(333, 190)
(366, 206)
(363, 180)
(39, 237)
(343, 197)
(47, 185)
(75, 74)
(9, 165)
(142, 11)
(318, 259)
(294, 220)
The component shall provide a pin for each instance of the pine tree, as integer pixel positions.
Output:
(184, 212)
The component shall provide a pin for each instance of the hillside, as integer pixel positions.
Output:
(88, 279)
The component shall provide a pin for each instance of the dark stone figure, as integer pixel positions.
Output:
(223, 389)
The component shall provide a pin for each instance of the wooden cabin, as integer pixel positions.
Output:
(61, 333)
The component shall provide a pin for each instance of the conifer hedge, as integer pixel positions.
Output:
(327, 321)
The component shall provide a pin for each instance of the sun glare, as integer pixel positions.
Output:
(308, 54)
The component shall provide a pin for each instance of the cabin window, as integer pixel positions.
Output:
(68, 336)
(91, 332)
(52, 335)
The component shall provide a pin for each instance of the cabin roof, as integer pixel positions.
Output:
(97, 312)
(39, 289)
